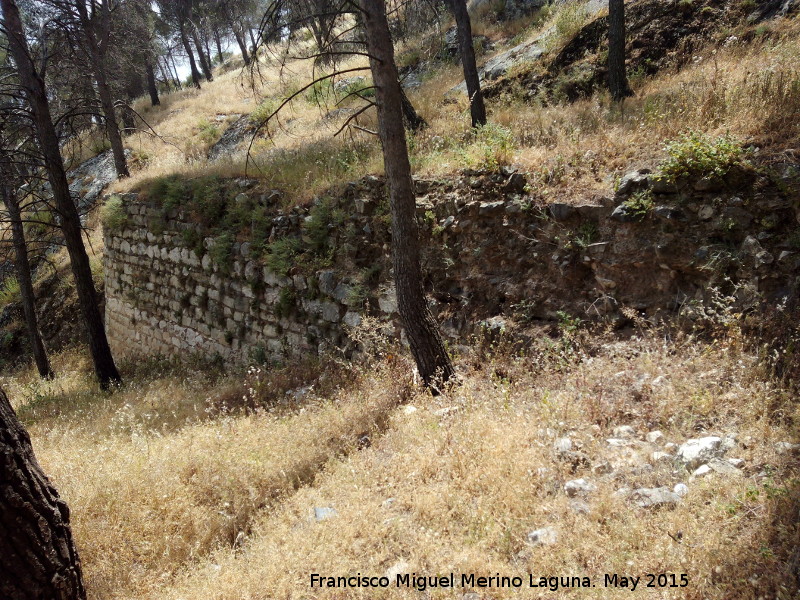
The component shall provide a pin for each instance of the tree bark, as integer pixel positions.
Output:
(151, 84)
(23, 270)
(477, 108)
(175, 76)
(427, 347)
(242, 44)
(112, 125)
(410, 115)
(188, 48)
(252, 39)
(218, 42)
(70, 223)
(97, 59)
(617, 77)
(204, 61)
(166, 73)
(38, 559)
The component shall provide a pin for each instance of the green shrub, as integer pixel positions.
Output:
(320, 92)
(287, 300)
(281, 255)
(9, 291)
(193, 240)
(263, 111)
(112, 214)
(698, 155)
(492, 146)
(221, 251)
(640, 204)
(209, 132)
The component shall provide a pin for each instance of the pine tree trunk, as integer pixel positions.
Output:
(175, 76)
(38, 559)
(429, 352)
(617, 78)
(70, 223)
(204, 62)
(151, 84)
(166, 74)
(252, 39)
(188, 48)
(112, 125)
(218, 42)
(23, 270)
(242, 45)
(477, 108)
(97, 59)
(412, 119)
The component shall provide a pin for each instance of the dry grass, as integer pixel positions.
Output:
(162, 479)
(751, 90)
(161, 486)
(164, 475)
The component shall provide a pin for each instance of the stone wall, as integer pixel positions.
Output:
(162, 298)
(492, 254)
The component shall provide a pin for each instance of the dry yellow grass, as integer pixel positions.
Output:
(161, 488)
(751, 90)
(161, 482)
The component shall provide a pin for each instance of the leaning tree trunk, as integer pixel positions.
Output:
(617, 78)
(23, 269)
(242, 44)
(429, 352)
(204, 62)
(33, 84)
(152, 89)
(98, 64)
(38, 559)
(412, 118)
(188, 48)
(477, 108)
(112, 125)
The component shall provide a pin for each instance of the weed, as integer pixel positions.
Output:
(221, 251)
(287, 301)
(9, 292)
(112, 214)
(281, 255)
(491, 146)
(695, 154)
(586, 234)
(209, 132)
(263, 111)
(639, 204)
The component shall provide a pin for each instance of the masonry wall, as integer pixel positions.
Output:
(492, 254)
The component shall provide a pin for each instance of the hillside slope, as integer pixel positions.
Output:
(580, 453)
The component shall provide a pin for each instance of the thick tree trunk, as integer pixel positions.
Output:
(23, 270)
(38, 559)
(201, 55)
(617, 78)
(188, 48)
(34, 87)
(151, 84)
(477, 108)
(242, 45)
(429, 352)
